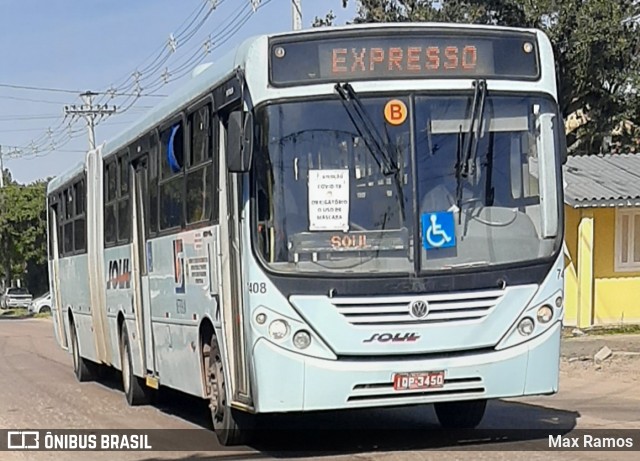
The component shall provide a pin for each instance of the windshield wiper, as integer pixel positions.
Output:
(459, 175)
(477, 117)
(366, 128)
(466, 165)
(378, 148)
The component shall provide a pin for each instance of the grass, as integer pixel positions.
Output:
(15, 313)
(604, 330)
(23, 314)
(42, 315)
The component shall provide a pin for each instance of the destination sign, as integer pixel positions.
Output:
(403, 54)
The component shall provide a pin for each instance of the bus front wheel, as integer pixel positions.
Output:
(460, 415)
(230, 425)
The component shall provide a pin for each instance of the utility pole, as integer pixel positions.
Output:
(90, 112)
(296, 10)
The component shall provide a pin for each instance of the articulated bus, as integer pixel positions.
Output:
(350, 217)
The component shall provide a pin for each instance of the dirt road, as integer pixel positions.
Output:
(38, 390)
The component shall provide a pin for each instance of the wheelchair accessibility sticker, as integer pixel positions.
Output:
(438, 230)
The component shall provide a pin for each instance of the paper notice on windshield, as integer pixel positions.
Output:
(329, 200)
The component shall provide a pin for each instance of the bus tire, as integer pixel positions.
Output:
(82, 367)
(136, 392)
(232, 427)
(460, 415)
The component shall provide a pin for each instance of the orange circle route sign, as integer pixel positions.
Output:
(395, 112)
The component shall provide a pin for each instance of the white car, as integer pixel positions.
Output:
(15, 298)
(41, 304)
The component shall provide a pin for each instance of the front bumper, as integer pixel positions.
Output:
(286, 381)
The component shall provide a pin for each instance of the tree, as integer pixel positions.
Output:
(23, 233)
(596, 44)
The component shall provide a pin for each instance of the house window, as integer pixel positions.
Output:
(627, 240)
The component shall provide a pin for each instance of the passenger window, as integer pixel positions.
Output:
(172, 150)
(153, 186)
(171, 193)
(200, 136)
(68, 237)
(110, 223)
(199, 195)
(68, 198)
(110, 181)
(79, 193)
(123, 166)
(79, 234)
(124, 220)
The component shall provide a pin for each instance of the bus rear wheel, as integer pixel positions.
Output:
(136, 392)
(230, 425)
(460, 415)
(82, 368)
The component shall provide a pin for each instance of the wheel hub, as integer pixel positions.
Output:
(217, 402)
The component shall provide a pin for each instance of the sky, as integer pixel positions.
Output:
(75, 46)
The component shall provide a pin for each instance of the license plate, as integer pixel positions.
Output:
(411, 381)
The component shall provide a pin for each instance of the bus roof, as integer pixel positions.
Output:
(208, 78)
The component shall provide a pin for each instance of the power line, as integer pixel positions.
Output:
(11, 118)
(61, 135)
(41, 101)
(38, 88)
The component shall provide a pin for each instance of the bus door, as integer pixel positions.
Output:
(142, 300)
(232, 279)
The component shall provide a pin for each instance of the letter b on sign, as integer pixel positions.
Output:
(395, 112)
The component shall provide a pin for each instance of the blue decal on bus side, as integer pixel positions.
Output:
(171, 156)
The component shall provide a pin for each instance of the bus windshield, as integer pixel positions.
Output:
(458, 195)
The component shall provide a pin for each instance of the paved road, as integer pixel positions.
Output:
(38, 390)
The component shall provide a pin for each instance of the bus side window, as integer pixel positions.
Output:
(153, 185)
(60, 216)
(80, 222)
(124, 218)
(172, 178)
(110, 219)
(68, 222)
(200, 169)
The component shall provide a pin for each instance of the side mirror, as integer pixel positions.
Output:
(239, 141)
(563, 148)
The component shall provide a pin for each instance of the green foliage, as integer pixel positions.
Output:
(596, 43)
(23, 234)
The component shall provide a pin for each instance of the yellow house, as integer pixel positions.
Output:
(602, 238)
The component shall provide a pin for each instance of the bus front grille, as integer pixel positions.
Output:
(402, 310)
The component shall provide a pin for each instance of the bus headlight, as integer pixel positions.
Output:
(261, 318)
(302, 339)
(545, 314)
(525, 327)
(278, 329)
